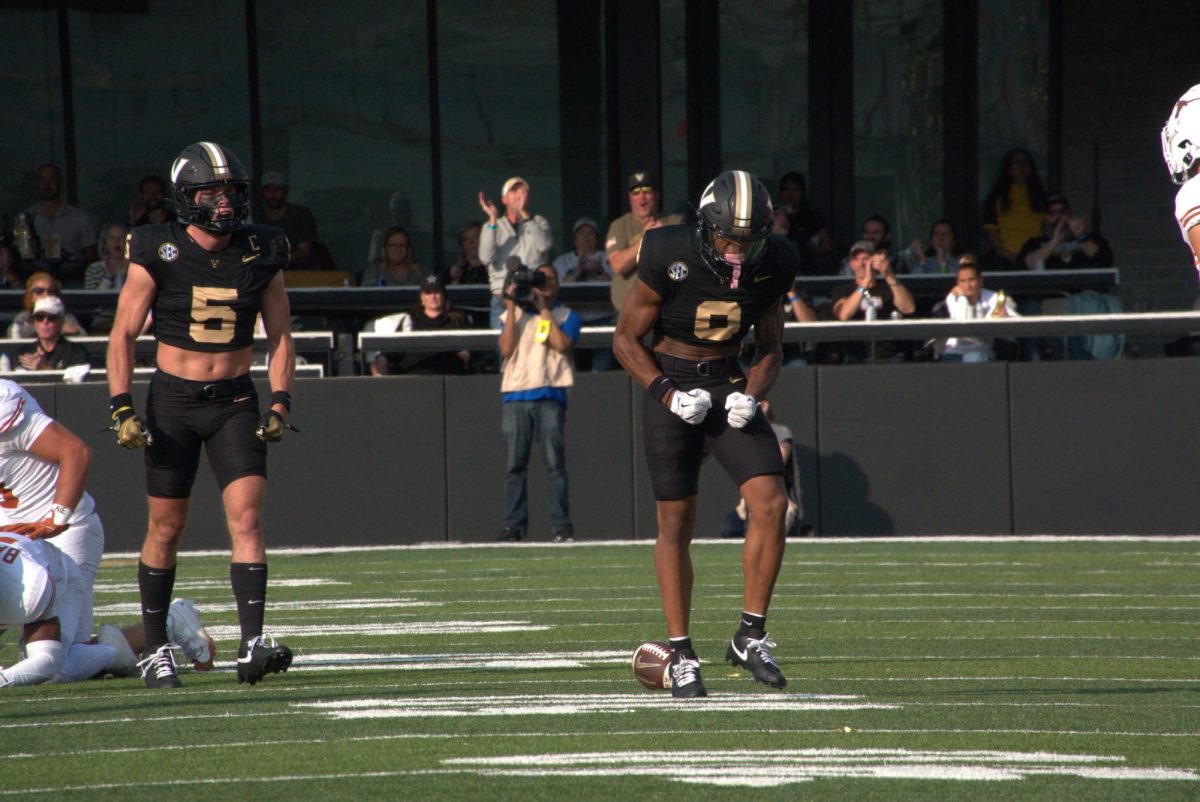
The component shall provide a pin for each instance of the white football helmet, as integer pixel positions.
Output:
(1181, 135)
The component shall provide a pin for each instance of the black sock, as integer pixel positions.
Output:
(683, 646)
(753, 626)
(155, 586)
(249, 582)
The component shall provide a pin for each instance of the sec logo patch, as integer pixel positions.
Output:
(168, 252)
(677, 271)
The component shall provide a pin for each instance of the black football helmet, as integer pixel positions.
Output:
(735, 206)
(207, 164)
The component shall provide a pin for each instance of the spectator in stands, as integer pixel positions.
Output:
(52, 351)
(108, 273)
(38, 286)
(878, 232)
(10, 277)
(875, 294)
(536, 345)
(397, 265)
(431, 314)
(969, 300)
(151, 204)
(942, 254)
(469, 269)
(295, 221)
(67, 234)
(1012, 210)
(1065, 242)
(515, 233)
(625, 233)
(806, 227)
(585, 262)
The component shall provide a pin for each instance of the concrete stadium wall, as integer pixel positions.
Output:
(1050, 448)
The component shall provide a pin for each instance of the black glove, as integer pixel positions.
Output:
(270, 427)
(131, 432)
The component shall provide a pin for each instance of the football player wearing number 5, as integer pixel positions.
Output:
(205, 277)
(699, 289)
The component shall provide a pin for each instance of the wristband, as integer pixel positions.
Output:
(120, 401)
(660, 386)
(492, 226)
(792, 298)
(60, 514)
(282, 397)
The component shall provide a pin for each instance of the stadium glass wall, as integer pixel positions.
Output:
(390, 112)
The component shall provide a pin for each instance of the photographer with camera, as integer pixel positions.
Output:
(875, 294)
(537, 340)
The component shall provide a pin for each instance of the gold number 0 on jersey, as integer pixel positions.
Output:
(717, 320)
(202, 313)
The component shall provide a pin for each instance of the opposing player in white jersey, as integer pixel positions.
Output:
(41, 592)
(1181, 152)
(43, 470)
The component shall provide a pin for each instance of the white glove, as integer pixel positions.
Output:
(691, 405)
(741, 409)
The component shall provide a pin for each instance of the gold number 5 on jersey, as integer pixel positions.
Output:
(212, 304)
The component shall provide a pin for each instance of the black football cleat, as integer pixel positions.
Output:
(755, 656)
(261, 656)
(685, 677)
(158, 667)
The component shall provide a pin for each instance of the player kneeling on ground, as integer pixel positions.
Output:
(700, 288)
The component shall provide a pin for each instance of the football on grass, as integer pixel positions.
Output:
(652, 665)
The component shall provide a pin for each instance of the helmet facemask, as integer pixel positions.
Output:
(205, 212)
(734, 267)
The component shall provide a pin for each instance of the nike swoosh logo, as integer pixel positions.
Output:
(239, 400)
(255, 601)
(255, 567)
(741, 654)
(155, 612)
(760, 278)
(249, 258)
(641, 664)
(158, 573)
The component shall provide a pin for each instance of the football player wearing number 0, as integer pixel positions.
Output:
(699, 289)
(205, 277)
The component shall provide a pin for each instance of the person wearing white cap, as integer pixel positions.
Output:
(585, 262)
(52, 351)
(515, 233)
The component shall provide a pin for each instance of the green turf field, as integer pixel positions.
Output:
(919, 670)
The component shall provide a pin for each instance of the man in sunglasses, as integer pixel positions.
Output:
(52, 351)
(625, 233)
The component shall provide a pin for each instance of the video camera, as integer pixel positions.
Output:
(524, 280)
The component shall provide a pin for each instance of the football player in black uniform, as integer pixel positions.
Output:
(206, 278)
(700, 288)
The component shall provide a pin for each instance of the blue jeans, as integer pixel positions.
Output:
(521, 422)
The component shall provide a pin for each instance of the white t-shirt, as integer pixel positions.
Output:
(960, 308)
(27, 483)
(1187, 212)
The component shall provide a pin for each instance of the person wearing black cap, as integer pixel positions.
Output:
(430, 315)
(625, 233)
(295, 221)
(1065, 244)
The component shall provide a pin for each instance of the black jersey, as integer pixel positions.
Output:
(207, 300)
(700, 307)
